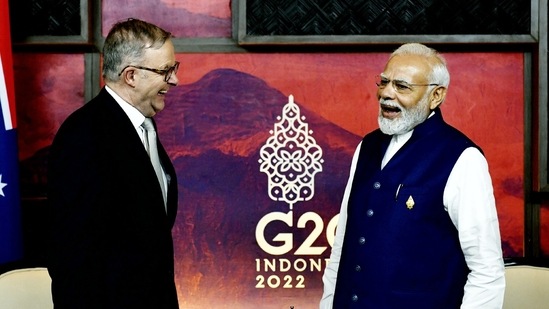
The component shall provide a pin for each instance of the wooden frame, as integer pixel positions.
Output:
(536, 76)
(241, 36)
(543, 100)
(82, 40)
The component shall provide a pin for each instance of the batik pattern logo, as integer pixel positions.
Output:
(291, 157)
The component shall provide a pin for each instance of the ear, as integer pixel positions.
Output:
(437, 96)
(128, 76)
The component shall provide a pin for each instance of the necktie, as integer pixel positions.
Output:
(152, 150)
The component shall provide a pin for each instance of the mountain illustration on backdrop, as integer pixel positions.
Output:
(213, 130)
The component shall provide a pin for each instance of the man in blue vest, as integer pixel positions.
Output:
(418, 226)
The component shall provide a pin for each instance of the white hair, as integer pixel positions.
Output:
(439, 73)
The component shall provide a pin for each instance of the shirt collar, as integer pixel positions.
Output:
(133, 113)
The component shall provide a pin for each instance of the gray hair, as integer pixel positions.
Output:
(439, 73)
(126, 43)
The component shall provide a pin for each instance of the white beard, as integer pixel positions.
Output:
(408, 119)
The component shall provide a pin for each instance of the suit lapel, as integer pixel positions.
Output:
(123, 130)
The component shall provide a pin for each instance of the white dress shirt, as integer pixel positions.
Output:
(469, 200)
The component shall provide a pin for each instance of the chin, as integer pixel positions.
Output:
(158, 108)
(392, 126)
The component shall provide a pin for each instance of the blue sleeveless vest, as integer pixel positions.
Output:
(400, 248)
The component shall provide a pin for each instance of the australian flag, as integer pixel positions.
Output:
(11, 248)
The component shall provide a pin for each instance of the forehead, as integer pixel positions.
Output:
(412, 68)
(162, 55)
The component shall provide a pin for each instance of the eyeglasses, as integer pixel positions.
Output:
(400, 86)
(166, 72)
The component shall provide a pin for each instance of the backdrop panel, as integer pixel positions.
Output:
(241, 239)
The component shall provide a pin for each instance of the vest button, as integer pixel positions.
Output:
(370, 213)
(358, 268)
(354, 298)
(362, 240)
(377, 185)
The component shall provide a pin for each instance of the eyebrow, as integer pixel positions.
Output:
(396, 79)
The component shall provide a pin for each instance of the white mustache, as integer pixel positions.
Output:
(389, 103)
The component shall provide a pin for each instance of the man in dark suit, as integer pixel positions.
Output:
(111, 243)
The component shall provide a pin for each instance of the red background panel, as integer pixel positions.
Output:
(218, 118)
(183, 18)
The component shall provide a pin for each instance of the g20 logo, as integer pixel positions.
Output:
(287, 239)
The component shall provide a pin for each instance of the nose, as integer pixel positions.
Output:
(388, 92)
(173, 81)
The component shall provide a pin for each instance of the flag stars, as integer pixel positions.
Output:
(2, 185)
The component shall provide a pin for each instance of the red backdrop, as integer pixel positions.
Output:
(220, 116)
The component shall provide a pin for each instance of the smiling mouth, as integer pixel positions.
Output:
(389, 111)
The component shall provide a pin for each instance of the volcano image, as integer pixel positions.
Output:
(213, 131)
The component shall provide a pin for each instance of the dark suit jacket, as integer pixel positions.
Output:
(111, 243)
